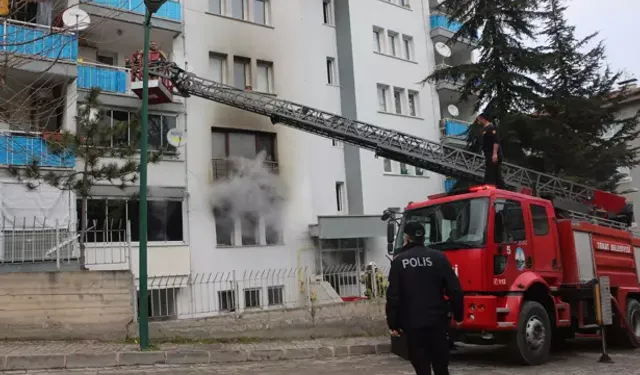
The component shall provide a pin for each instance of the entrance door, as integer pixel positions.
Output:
(341, 264)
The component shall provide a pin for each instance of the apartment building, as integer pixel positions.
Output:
(362, 60)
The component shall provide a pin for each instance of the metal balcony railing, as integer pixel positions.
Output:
(441, 20)
(21, 149)
(43, 42)
(448, 184)
(171, 10)
(453, 128)
(226, 168)
(108, 78)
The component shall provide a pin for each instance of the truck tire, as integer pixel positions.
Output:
(532, 340)
(620, 336)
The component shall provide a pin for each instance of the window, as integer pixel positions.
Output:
(393, 41)
(382, 98)
(327, 12)
(159, 126)
(225, 227)
(272, 233)
(331, 71)
(407, 43)
(237, 9)
(241, 75)
(162, 304)
(245, 144)
(265, 77)
(126, 130)
(252, 298)
(397, 100)
(508, 211)
(404, 3)
(404, 169)
(419, 172)
(340, 196)
(217, 67)
(108, 218)
(227, 300)
(413, 103)
(260, 11)
(275, 295)
(215, 6)
(336, 143)
(540, 220)
(250, 227)
(377, 43)
(106, 58)
(387, 165)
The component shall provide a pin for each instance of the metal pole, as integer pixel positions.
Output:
(143, 311)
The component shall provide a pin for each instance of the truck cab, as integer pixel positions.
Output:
(502, 245)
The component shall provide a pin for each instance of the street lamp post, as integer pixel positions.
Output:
(152, 6)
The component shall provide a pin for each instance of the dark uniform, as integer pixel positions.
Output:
(492, 174)
(418, 281)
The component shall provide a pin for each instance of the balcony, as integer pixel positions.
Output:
(225, 168)
(39, 47)
(443, 29)
(110, 79)
(19, 149)
(448, 184)
(167, 18)
(453, 132)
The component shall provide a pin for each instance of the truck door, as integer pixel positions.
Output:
(543, 239)
(513, 254)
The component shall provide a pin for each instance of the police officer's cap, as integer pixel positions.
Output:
(414, 229)
(484, 115)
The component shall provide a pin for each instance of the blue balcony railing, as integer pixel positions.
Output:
(19, 149)
(107, 78)
(448, 184)
(454, 128)
(40, 41)
(170, 10)
(440, 20)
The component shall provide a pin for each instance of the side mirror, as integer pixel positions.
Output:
(390, 249)
(391, 232)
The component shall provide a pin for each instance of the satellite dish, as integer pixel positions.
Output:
(443, 49)
(176, 137)
(453, 110)
(76, 19)
(440, 1)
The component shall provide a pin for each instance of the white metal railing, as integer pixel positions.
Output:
(210, 294)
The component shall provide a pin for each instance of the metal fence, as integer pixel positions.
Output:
(211, 294)
(28, 241)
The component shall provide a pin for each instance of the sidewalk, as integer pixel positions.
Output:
(34, 355)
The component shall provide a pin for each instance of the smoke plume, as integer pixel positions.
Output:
(251, 190)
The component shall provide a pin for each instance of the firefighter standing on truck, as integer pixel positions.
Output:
(492, 152)
(416, 305)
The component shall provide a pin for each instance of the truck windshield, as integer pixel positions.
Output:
(460, 224)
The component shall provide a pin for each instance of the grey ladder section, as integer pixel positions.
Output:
(391, 144)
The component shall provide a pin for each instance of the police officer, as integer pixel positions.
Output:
(492, 152)
(415, 301)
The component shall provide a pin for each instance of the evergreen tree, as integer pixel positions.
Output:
(576, 133)
(502, 81)
(104, 155)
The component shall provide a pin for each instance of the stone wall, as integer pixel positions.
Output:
(94, 305)
(362, 318)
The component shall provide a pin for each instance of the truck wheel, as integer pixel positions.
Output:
(620, 336)
(532, 340)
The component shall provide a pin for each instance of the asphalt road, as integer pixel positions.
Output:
(579, 360)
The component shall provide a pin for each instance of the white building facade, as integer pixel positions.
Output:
(362, 60)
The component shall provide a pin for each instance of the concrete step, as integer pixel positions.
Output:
(43, 266)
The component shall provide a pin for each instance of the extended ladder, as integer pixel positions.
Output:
(391, 144)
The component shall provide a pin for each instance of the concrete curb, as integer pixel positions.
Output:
(169, 357)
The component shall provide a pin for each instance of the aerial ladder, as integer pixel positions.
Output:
(571, 199)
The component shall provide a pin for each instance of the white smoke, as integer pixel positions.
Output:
(252, 190)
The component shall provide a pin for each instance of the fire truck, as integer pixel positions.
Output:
(539, 263)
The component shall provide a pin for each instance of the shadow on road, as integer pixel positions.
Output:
(500, 356)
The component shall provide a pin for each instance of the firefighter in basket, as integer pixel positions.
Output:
(372, 274)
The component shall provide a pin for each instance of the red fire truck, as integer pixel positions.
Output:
(535, 270)
(528, 274)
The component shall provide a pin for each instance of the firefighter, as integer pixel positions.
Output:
(373, 274)
(492, 152)
(416, 305)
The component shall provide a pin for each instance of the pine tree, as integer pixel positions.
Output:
(103, 154)
(576, 133)
(502, 81)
